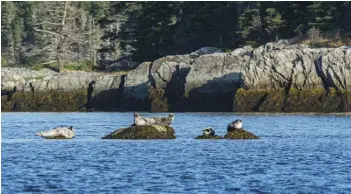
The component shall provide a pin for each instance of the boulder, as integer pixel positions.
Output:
(136, 88)
(281, 69)
(334, 68)
(47, 90)
(205, 51)
(143, 132)
(167, 76)
(213, 78)
(240, 134)
(45, 79)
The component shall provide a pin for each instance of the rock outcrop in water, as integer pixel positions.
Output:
(143, 132)
(209, 133)
(46, 90)
(240, 134)
(209, 137)
(271, 78)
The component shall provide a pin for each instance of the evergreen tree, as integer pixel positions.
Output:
(251, 27)
(154, 30)
(110, 32)
(273, 23)
(7, 40)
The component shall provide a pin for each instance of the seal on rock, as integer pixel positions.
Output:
(162, 121)
(209, 132)
(237, 124)
(138, 120)
(58, 133)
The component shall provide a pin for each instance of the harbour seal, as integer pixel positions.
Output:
(138, 120)
(58, 133)
(164, 121)
(209, 132)
(237, 124)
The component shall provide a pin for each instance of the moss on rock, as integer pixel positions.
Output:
(258, 100)
(317, 100)
(240, 134)
(208, 137)
(55, 101)
(143, 132)
(346, 100)
(248, 100)
(274, 101)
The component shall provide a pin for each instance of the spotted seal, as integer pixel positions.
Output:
(58, 133)
(237, 124)
(138, 120)
(164, 121)
(209, 132)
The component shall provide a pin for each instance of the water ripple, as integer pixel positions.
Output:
(296, 154)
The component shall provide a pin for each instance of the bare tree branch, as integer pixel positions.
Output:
(46, 31)
(47, 22)
(54, 10)
(47, 62)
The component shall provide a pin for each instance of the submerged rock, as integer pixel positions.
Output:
(208, 133)
(240, 134)
(209, 137)
(58, 133)
(143, 132)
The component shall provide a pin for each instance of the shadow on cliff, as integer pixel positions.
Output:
(121, 99)
(216, 95)
(175, 90)
(107, 100)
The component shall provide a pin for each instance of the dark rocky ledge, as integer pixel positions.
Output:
(209, 137)
(240, 134)
(143, 132)
(270, 78)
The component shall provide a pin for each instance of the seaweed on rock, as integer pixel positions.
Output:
(240, 134)
(208, 137)
(143, 132)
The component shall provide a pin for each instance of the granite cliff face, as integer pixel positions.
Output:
(273, 77)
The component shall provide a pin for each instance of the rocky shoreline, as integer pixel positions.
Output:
(271, 78)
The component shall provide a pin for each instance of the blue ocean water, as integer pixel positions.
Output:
(296, 154)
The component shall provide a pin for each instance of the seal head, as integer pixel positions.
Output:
(209, 132)
(237, 124)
